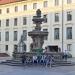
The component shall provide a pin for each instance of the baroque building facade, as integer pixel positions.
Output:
(16, 20)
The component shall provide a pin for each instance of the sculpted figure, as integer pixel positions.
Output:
(38, 13)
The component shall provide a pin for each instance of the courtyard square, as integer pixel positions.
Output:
(36, 70)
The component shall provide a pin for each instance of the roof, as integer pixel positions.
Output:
(8, 1)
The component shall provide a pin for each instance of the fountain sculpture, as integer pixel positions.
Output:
(37, 35)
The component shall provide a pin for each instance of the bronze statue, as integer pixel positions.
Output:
(38, 13)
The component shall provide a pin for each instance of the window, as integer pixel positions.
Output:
(0, 36)
(6, 36)
(56, 17)
(69, 32)
(56, 2)
(16, 8)
(45, 18)
(15, 35)
(7, 22)
(45, 3)
(0, 11)
(7, 10)
(15, 48)
(25, 7)
(69, 16)
(56, 33)
(24, 20)
(25, 34)
(34, 5)
(6, 47)
(46, 37)
(69, 47)
(15, 21)
(0, 23)
(69, 1)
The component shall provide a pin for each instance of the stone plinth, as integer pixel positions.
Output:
(38, 39)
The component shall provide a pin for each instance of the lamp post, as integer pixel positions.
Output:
(62, 24)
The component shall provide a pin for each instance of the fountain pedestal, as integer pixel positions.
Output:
(38, 39)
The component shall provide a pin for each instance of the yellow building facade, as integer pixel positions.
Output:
(12, 13)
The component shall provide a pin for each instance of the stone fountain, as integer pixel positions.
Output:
(37, 35)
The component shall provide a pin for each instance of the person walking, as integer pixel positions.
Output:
(23, 59)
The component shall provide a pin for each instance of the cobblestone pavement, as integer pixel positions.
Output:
(35, 70)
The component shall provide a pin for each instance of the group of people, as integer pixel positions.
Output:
(42, 59)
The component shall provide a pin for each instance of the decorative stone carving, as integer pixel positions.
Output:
(21, 45)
